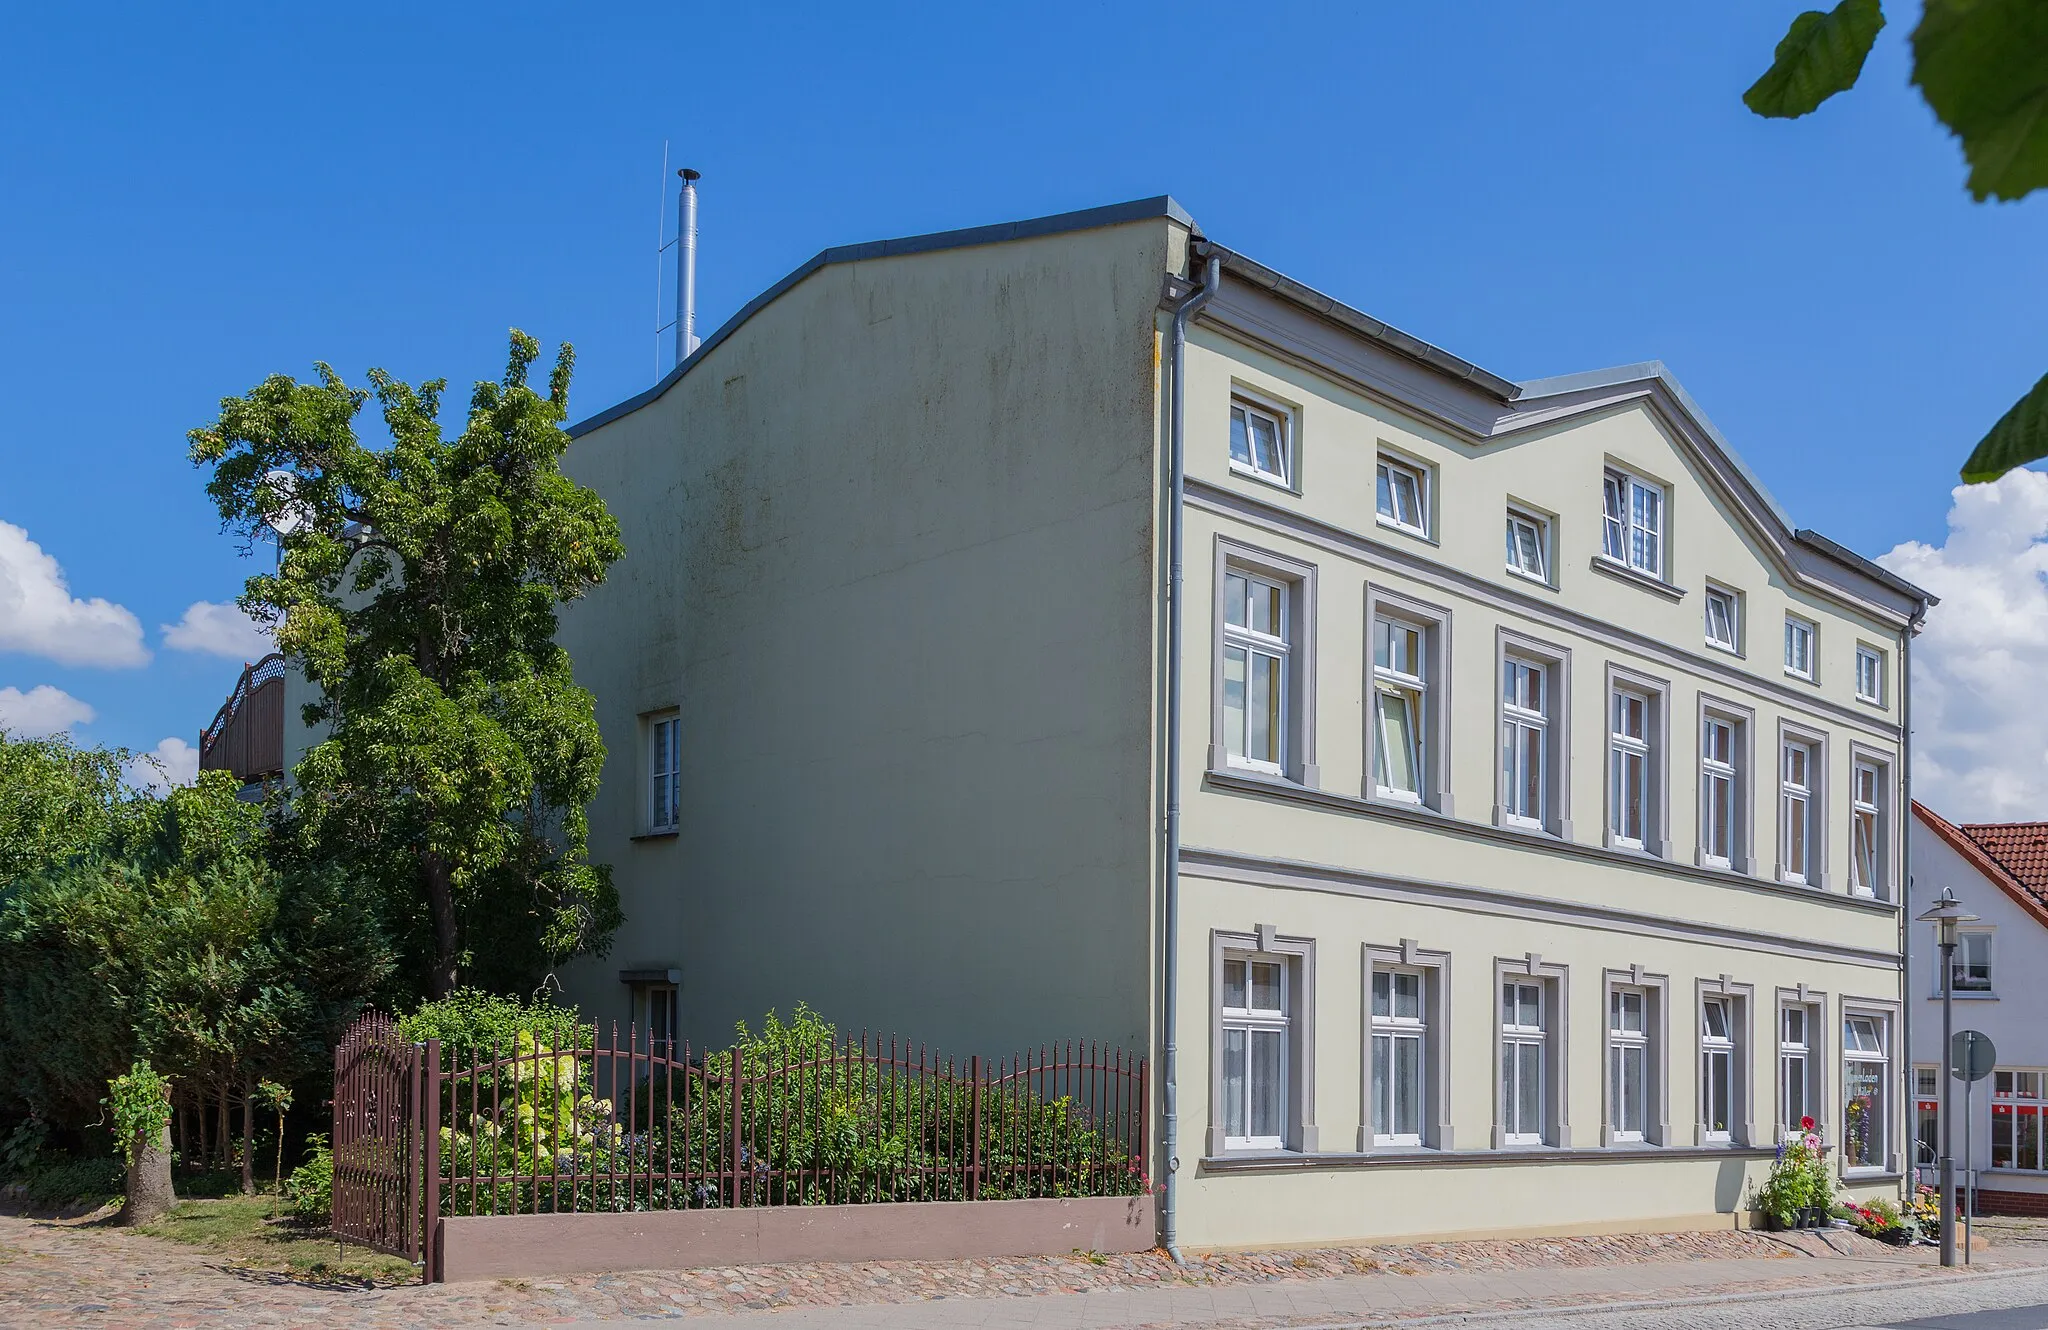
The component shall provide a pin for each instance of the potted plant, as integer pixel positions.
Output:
(1796, 1193)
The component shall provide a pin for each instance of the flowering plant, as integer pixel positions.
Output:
(1798, 1180)
(1880, 1219)
(1924, 1209)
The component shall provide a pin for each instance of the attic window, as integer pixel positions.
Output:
(1633, 523)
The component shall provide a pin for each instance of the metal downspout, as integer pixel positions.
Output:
(1212, 279)
(1912, 1095)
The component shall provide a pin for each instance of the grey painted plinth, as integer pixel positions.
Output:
(519, 1246)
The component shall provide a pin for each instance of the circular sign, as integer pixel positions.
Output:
(1971, 1055)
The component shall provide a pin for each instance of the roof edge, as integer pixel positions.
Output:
(1159, 206)
(1980, 859)
(1878, 572)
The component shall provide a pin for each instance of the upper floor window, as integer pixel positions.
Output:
(1719, 785)
(1400, 707)
(1724, 619)
(1634, 523)
(1972, 965)
(1798, 811)
(1400, 1037)
(1403, 498)
(1524, 741)
(1798, 646)
(1259, 442)
(1255, 1019)
(1256, 643)
(1630, 769)
(1528, 546)
(664, 773)
(1869, 674)
(1867, 831)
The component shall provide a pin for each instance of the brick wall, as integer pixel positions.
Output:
(2026, 1203)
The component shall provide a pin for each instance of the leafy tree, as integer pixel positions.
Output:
(417, 586)
(58, 801)
(1982, 65)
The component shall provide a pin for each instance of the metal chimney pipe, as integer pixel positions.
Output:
(686, 265)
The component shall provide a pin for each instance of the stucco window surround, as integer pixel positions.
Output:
(1405, 493)
(1531, 547)
(1550, 724)
(1627, 753)
(1635, 529)
(1248, 407)
(1813, 1053)
(1722, 608)
(1384, 691)
(1735, 1042)
(1297, 957)
(1298, 719)
(660, 804)
(1873, 822)
(1725, 776)
(1434, 967)
(1814, 828)
(1655, 1043)
(1554, 1101)
(1862, 1073)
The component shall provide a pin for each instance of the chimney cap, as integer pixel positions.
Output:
(687, 174)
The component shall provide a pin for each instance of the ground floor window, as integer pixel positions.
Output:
(1717, 1068)
(1866, 1098)
(1926, 1117)
(2016, 1121)
(1399, 1055)
(1523, 1062)
(1796, 1098)
(1628, 1063)
(1255, 1020)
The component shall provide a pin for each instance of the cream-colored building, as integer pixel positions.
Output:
(1539, 783)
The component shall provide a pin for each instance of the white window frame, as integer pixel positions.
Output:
(1549, 1034)
(1649, 748)
(1519, 660)
(1387, 475)
(1432, 702)
(1802, 648)
(1870, 664)
(1432, 1026)
(1518, 1034)
(1801, 805)
(1637, 528)
(1882, 1022)
(663, 810)
(1392, 1030)
(1250, 1022)
(1870, 806)
(1926, 1103)
(1965, 939)
(2010, 1108)
(1731, 601)
(1717, 1065)
(1525, 530)
(1795, 1048)
(1282, 422)
(1813, 1052)
(1621, 1042)
(1256, 643)
(1724, 789)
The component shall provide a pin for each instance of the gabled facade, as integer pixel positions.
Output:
(1540, 782)
(1999, 872)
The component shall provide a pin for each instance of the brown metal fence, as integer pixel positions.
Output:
(630, 1122)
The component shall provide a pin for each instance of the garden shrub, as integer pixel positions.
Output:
(476, 1023)
(309, 1191)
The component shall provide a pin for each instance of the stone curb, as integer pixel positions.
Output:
(1661, 1304)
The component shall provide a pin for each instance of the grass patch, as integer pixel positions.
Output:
(240, 1229)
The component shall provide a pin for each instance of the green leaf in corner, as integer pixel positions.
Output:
(1983, 67)
(1822, 54)
(2019, 437)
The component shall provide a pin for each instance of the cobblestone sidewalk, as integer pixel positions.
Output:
(54, 1273)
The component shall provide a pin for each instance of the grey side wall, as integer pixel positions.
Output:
(890, 551)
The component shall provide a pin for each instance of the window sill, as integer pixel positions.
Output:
(1725, 649)
(1415, 532)
(1862, 1177)
(1243, 472)
(656, 835)
(1273, 1161)
(1530, 578)
(1874, 703)
(1616, 569)
(1961, 996)
(1809, 679)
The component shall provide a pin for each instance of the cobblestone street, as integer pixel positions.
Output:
(79, 1273)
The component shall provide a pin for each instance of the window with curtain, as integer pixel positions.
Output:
(1633, 525)
(1255, 1052)
(1400, 1055)
(1628, 1063)
(1400, 711)
(1628, 794)
(1523, 1062)
(1524, 741)
(1256, 646)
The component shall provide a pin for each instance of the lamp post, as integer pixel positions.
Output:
(1945, 915)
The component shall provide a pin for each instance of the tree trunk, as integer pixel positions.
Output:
(195, 1154)
(438, 878)
(224, 1132)
(248, 1138)
(149, 1181)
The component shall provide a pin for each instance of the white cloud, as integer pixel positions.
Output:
(41, 711)
(38, 615)
(172, 762)
(219, 630)
(1980, 730)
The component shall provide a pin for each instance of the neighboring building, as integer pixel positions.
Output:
(1541, 781)
(247, 736)
(1999, 872)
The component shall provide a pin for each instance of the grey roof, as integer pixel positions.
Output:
(1405, 344)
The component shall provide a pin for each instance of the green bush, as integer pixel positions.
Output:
(476, 1023)
(61, 1180)
(309, 1191)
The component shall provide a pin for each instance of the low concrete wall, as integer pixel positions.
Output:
(517, 1246)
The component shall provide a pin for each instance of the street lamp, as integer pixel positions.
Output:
(1945, 916)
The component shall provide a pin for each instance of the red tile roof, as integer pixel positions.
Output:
(2013, 855)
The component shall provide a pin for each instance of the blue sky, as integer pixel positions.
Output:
(199, 196)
